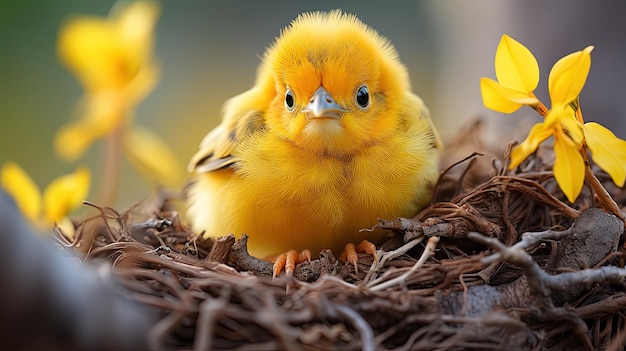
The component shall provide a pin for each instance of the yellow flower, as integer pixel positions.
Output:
(112, 58)
(565, 83)
(517, 72)
(608, 151)
(61, 196)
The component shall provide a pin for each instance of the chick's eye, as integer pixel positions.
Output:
(289, 101)
(362, 97)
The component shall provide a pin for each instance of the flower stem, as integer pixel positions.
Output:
(111, 171)
(603, 196)
(541, 109)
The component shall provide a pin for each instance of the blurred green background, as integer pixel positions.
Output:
(209, 51)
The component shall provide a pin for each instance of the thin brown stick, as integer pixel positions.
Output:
(428, 251)
(603, 196)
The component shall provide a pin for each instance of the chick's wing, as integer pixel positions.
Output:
(241, 117)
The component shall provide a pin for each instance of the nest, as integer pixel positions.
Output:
(499, 260)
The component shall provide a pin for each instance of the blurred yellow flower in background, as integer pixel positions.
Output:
(63, 195)
(112, 58)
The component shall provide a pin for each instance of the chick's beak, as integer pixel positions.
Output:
(322, 105)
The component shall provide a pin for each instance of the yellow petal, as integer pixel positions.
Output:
(135, 23)
(135, 26)
(574, 130)
(565, 118)
(569, 167)
(22, 188)
(106, 110)
(502, 99)
(151, 156)
(516, 67)
(607, 150)
(88, 46)
(65, 194)
(536, 136)
(143, 84)
(72, 140)
(104, 113)
(108, 53)
(556, 113)
(568, 76)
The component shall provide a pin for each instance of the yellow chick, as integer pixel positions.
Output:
(328, 140)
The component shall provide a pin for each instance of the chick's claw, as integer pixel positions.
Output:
(288, 261)
(350, 252)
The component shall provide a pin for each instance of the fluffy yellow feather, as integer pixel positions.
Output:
(329, 139)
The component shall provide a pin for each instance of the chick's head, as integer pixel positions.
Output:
(337, 85)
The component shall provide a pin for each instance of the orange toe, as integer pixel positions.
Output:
(288, 261)
(350, 252)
